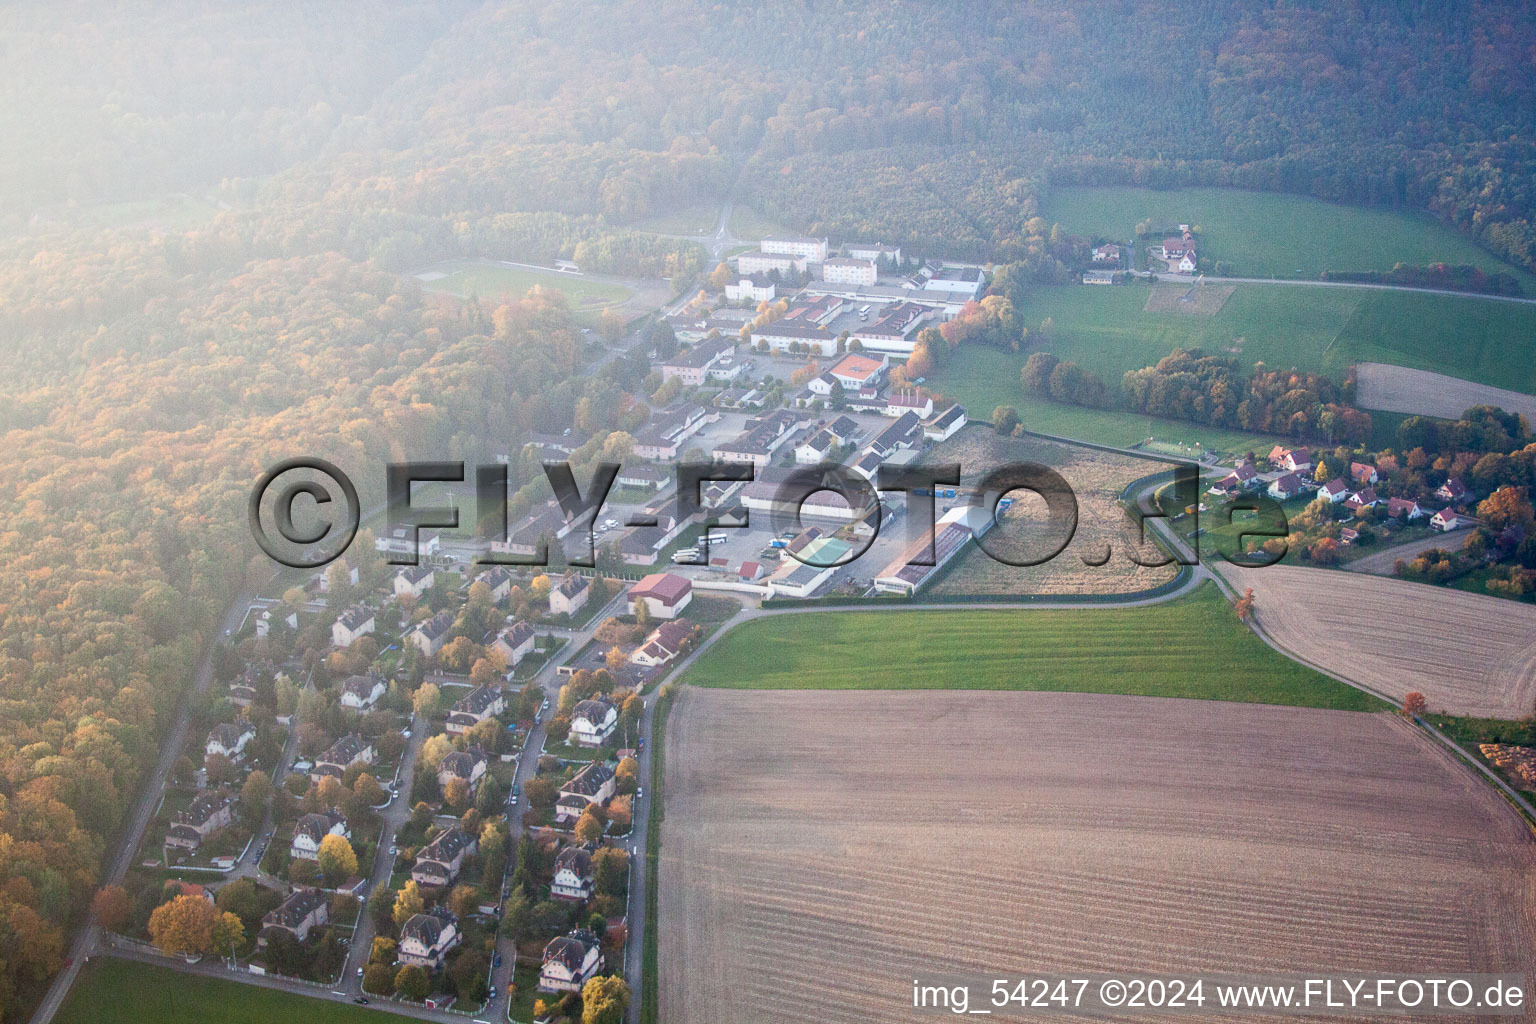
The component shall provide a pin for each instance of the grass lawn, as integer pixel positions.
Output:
(1194, 647)
(1271, 235)
(748, 223)
(111, 991)
(699, 219)
(492, 281)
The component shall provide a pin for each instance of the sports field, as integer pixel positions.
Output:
(1192, 647)
(1266, 234)
(111, 991)
(821, 850)
(491, 281)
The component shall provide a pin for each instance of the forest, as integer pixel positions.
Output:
(155, 369)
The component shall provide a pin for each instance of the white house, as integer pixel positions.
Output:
(425, 939)
(1286, 487)
(769, 262)
(945, 424)
(803, 246)
(311, 831)
(665, 595)
(850, 271)
(592, 722)
(479, 704)
(573, 875)
(1448, 519)
(570, 595)
(468, 765)
(1334, 490)
(303, 910)
(815, 448)
(592, 785)
(414, 580)
(430, 636)
(569, 961)
(341, 755)
(514, 643)
(913, 400)
(440, 861)
(361, 693)
(351, 624)
(229, 739)
(752, 288)
(874, 251)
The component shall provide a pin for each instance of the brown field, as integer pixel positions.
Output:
(1467, 653)
(1097, 478)
(1206, 300)
(807, 875)
(1399, 389)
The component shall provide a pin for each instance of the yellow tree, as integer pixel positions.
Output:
(408, 902)
(227, 934)
(456, 792)
(337, 859)
(588, 828)
(184, 925)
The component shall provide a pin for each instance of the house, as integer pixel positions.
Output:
(874, 251)
(429, 637)
(1286, 487)
(532, 537)
(1348, 535)
(803, 246)
(1187, 263)
(355, 622)
(303, 910)
(1361, 500)
(642, 544)
(665, 595)
(229, 739)
(868, 464)
(468, 765)
(514, 643)
(407, 542)
(361, 693)
(913, 400)
(750, 572)
(839, 270)
(1097, 277)
(243, 690)
(692, 366)
(425, 939)
(592, 722)
(570, 596)
(1403, 508)
(843, 429)
(181, 888)
(1362, 473)
(1334, 490)
(663, 437)
(351, 749)
(752, 288)
(1177, 248)
(594, 784)
(479, 704)
(664, 643)
(414, 580)
(643, 478)
(312, 829)
(1453, 491)
(441, 860)
(1106, 254)
(1448, 519)
(569, 962)
(265, 620)
(815, 448)
(1243, 478)
(1290, 460)
(945, 424)
(209, 811)
(499, 580)
(904, 432)
(963, 281)
(769, 263)
(785, 334)
(573, 874)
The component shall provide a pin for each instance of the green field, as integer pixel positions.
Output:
(111, 991)
(699, 219)
(749, 224)
(1193, 647)
(1475, 339)
(1265, 234)
(490, 281)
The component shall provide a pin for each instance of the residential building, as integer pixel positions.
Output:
(593, 784)
(592, 722)
(663, 437)
(1362, 473)
(499, 580)
(665, 595)
(667, 641)
(818, 311)
(1106, 254)
(1098, 277)
(351, 749)
(361, 693)
(468, 765)
(945, 424)
(904, 432)
(570, 961)
(805, 247)
(440, 861)
(209, 811)
(414, 580)
(1178, 248)
(856, 370)
(570, 595)
(769, 263)
(1361, 500)
(351, 624)
(310, 831)
(430, 636)
(573, 875)
(514, 643)
(1403, 508)
(479, 704)
(1334, 490)
(425, 939)
(303, 911)
(691, 365)
(1286, 487)
(914, 400)
(843, 430)
(644, 478)
(642, 544)
(1453, 491)
(1448, 519)
(229, 739)
(815, 449)
(752, 288)
(784, 334)
(874, 251)
(1292, 460)
(850, 271)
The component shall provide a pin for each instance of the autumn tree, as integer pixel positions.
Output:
(610, 324)
(379, 979)
(412, 983)
(110, 907)
(589, 829)
(627, 775)
(1244, 605)
(456, 793)
(227, 934)
(604, 1000)
(1005, 420)
(434, 750)
(255, 793)
(408, 903)
(1506, 507)
(426, 699)
(337, 859)
(1414, 704)
(183, 926)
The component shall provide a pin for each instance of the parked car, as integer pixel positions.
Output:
(361, 1000)
(359, 972)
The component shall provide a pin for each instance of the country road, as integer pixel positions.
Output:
(1308, 283)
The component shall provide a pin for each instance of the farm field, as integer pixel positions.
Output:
(1400, 389)
(1061, 833)
(1469, 654)
(1190, 647)
(1272, 235)
(112, 991)
(1096, 479)
(1479, 340)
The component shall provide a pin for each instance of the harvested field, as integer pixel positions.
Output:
(1029, 832)
(1200, 300)
(1398, 389)
(1467, 653)
(1096, 478)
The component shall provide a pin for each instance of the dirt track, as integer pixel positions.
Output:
(1467, 653)
(821, 850)
(1399, 389)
